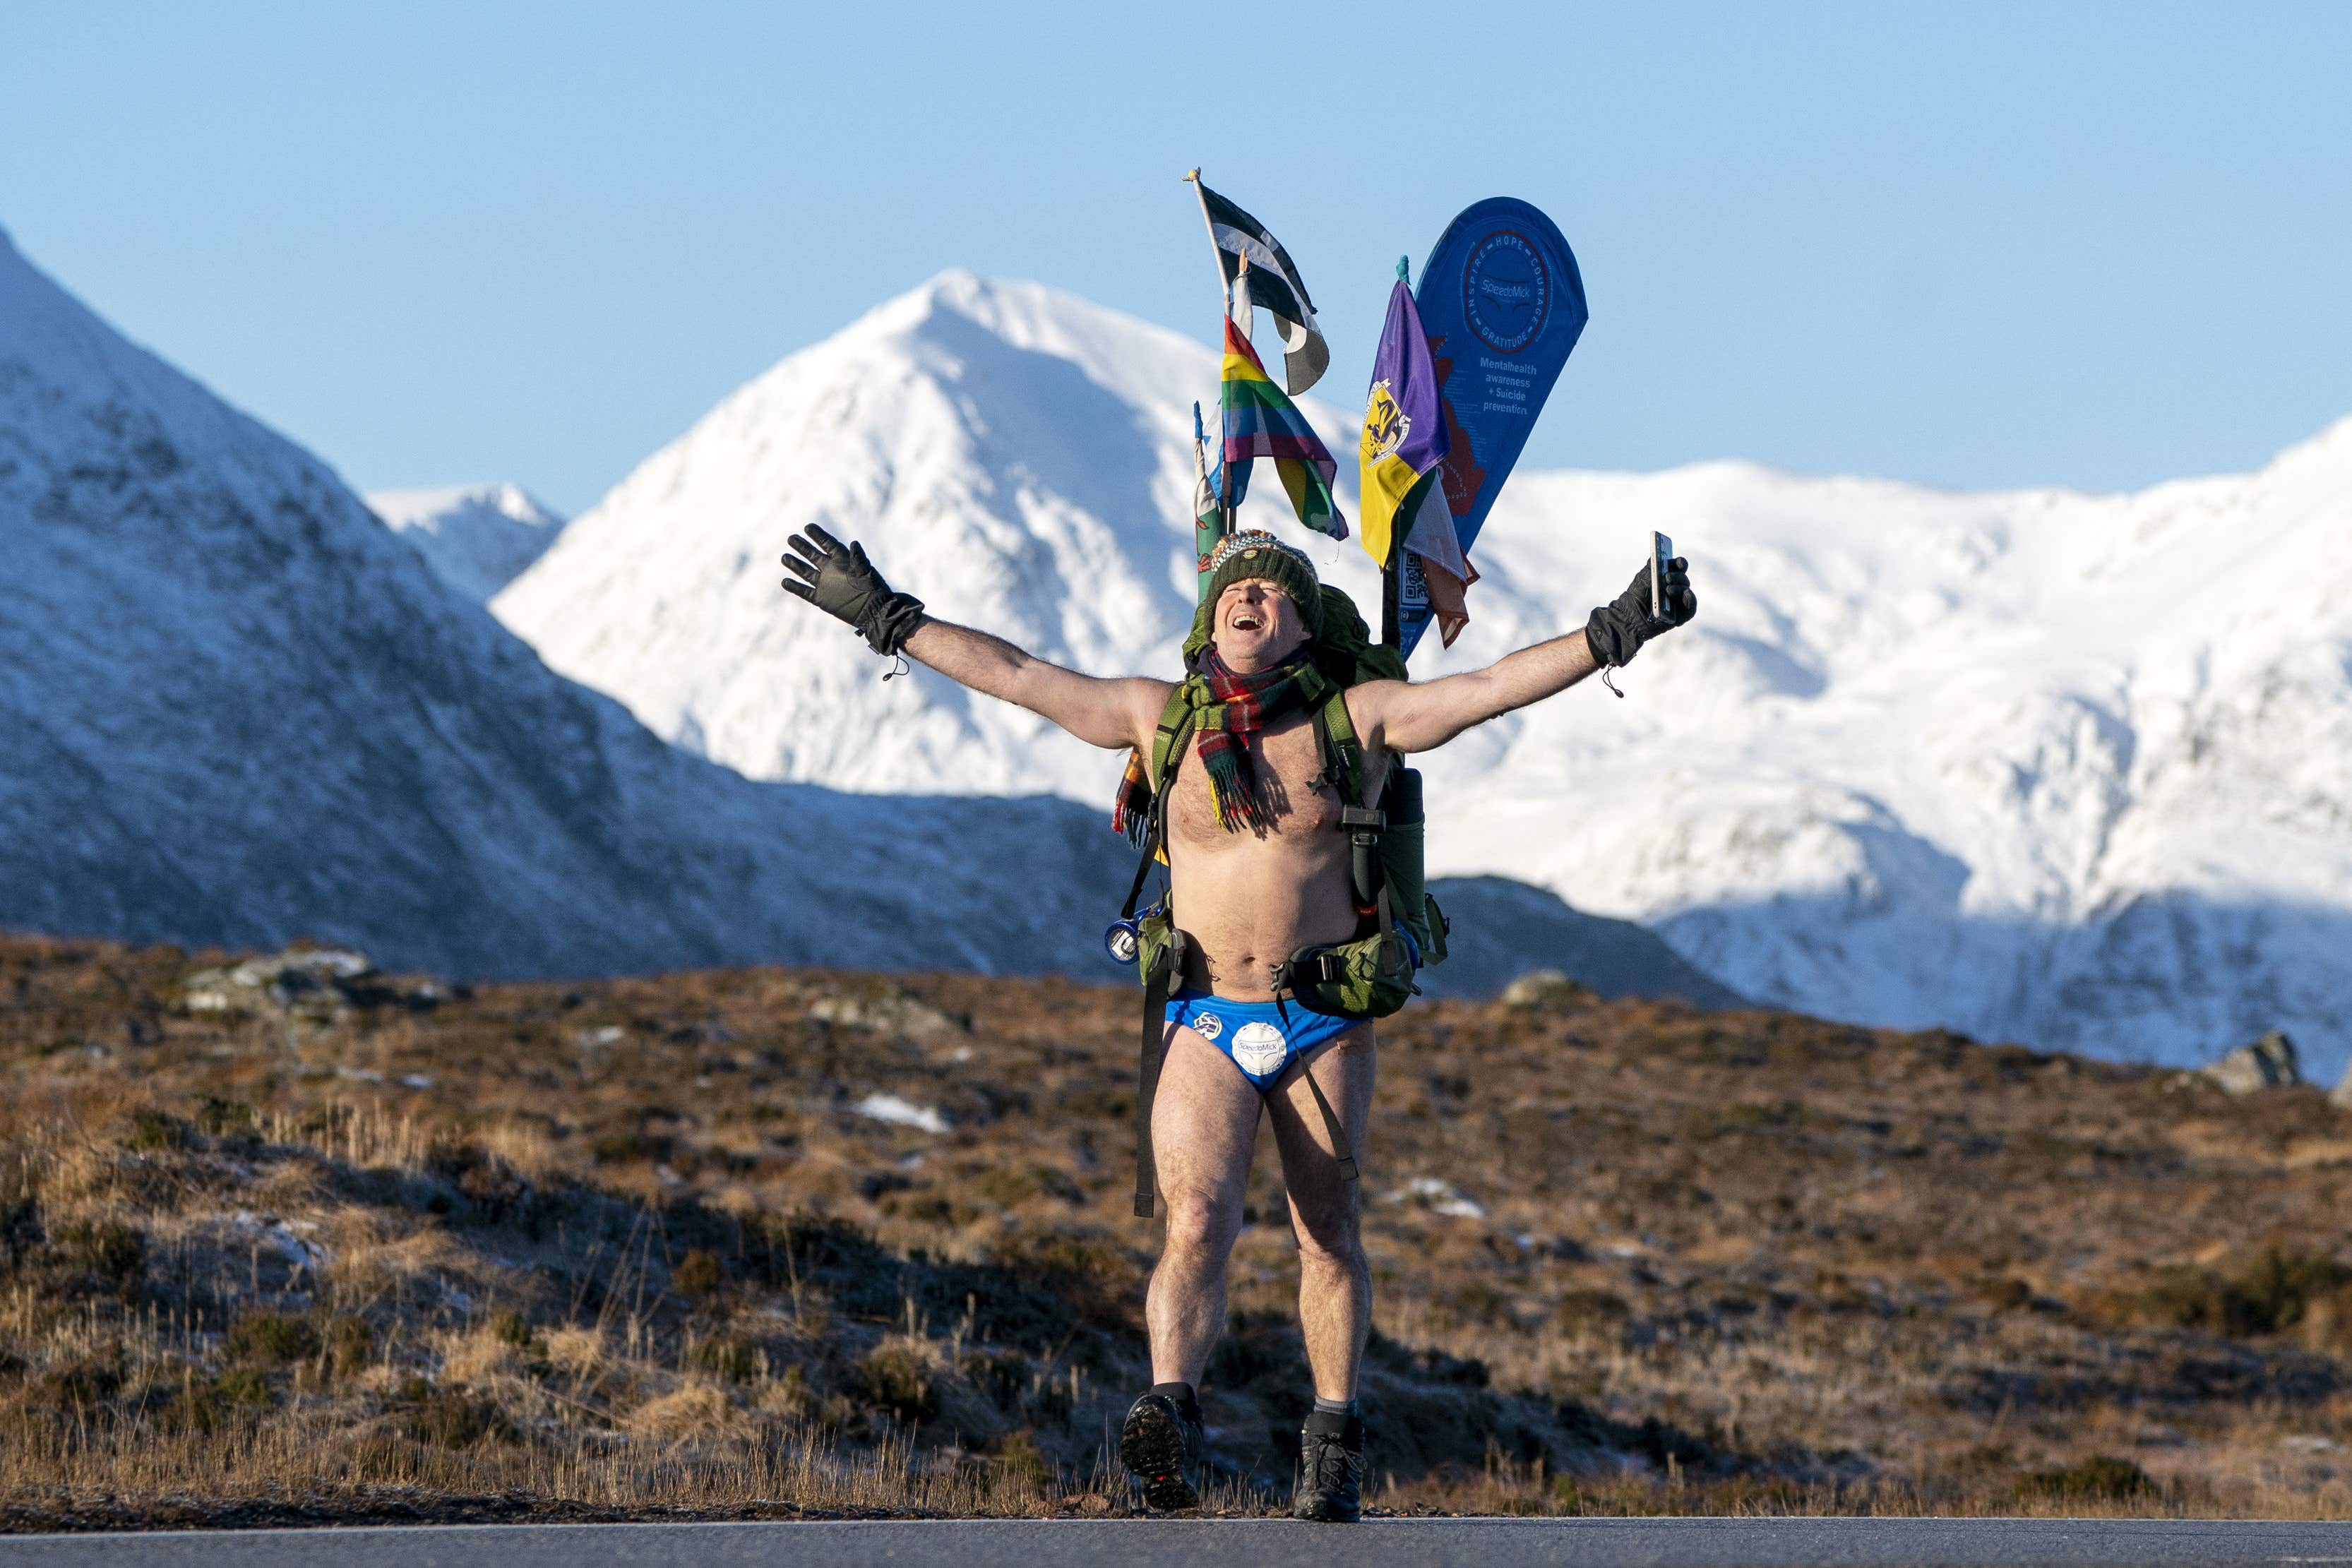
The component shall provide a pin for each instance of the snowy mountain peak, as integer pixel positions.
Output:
(478, 537)
(2323, 461)
(41, 324)
(50, 340)
(1020, 459)
(953, 292)
(1027, 315)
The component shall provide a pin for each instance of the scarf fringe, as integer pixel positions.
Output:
(1239, 793)
(1131, 811)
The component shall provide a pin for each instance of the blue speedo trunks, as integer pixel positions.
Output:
(1262, 1039)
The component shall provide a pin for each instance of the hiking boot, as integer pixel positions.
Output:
(1161, 1444)
(1330, 1469)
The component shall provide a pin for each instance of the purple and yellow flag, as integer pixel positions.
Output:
(1260, 421)
(1405, 442)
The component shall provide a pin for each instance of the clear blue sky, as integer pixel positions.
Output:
(2097, 245)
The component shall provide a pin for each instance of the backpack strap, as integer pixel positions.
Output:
(1343, 770)
(1167, 753)
(1342, 750)
(1175, 718)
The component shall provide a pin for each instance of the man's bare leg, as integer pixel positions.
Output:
(1204, 1128)
(1335, 1282)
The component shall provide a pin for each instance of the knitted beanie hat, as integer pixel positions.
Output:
(1242, 556)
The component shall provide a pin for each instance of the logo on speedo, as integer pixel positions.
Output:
(1208, 1026)
(1259, 1048)
(1506, 291)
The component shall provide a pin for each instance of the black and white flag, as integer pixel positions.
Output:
(1273, 282)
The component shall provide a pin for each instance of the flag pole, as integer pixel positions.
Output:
(1207, 527)
(1216, 251)
(1391, 615)
(1392, 632)
(1225, 304)
(1240, 293)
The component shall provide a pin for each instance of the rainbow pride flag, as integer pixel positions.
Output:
(1261, 422)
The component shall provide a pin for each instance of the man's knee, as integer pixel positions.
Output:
(1202, 1222)
(1329, 1234)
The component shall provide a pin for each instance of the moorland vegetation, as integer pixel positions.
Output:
(286, 1239)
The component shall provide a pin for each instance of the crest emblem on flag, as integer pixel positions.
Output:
(1386, 426)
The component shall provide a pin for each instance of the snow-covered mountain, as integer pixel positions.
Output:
(238, 709)
(1020, 460)
(479, 538)
(2075, 769)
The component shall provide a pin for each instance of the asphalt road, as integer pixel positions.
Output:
(1260, 1543)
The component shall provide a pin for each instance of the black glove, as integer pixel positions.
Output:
(838, 580)
(1617, 630)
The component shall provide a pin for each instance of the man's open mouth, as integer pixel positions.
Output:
(1246, 620)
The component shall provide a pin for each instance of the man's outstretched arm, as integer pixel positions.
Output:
(1417, 716)
(1108, 713)
(838, 580)
(1408, 717)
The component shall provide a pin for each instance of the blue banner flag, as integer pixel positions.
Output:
(1502, 304)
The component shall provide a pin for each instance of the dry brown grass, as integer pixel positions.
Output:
(613, 1249)
(322, 1459)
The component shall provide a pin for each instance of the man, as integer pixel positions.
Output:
(1257, 869)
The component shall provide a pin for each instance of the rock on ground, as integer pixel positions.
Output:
(2268, 1063)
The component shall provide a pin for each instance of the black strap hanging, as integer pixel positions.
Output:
(1339, 1145)
(1160, 978)
(1146, 1073)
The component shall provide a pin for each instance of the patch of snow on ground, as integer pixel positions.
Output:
(1439, 1198)
(900, 1112)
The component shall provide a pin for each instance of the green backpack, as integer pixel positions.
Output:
(1399, 925)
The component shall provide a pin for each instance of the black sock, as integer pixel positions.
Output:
(1335, 1418)
(1188, 1404)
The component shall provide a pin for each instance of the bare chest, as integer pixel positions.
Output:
(1288, 766)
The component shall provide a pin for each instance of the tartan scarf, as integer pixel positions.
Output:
(1238, 706)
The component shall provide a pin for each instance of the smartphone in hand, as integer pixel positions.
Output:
(1662, 555)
